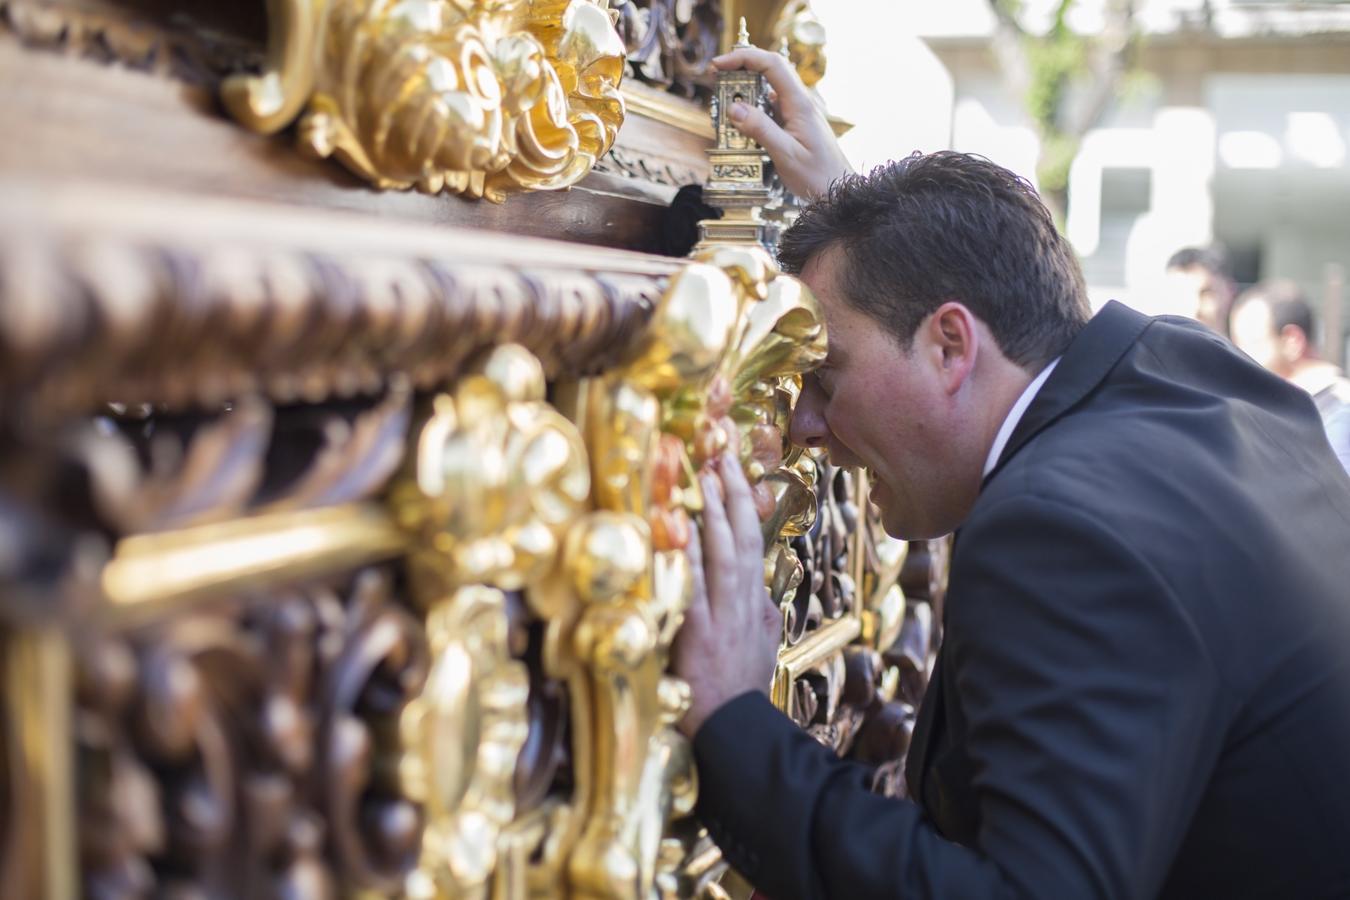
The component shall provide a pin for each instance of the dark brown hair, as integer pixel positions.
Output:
(1286, 302)
(927, 229)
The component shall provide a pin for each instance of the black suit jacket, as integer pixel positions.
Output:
(1142, 689)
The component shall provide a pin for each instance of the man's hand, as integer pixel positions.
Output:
(729, 642)
(803, 149)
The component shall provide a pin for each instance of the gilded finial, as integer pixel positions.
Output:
(743, 36)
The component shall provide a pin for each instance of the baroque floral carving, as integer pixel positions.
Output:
(498, 478)
(477, 97)
(726, 341)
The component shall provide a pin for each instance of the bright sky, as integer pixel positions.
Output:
(884, 79)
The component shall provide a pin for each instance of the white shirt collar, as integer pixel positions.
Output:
(1015, 415)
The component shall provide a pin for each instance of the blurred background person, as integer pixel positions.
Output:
(1201, 286)
(1273, 324)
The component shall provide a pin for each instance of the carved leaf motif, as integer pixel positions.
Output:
(195, 471)
(484, 97)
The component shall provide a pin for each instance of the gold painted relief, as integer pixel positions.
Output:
(477, 97)
(799, 31)
(715, 370)
(498, 479)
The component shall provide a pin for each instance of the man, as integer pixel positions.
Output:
(1273, 324)
(1203, 289)
(1141, 690)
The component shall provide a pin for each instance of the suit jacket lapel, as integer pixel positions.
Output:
(1091, 356)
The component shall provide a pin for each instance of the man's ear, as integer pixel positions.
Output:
(955, 343)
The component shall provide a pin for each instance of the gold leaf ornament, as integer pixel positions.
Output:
(478, 97)
(800, 30)
(462, 736)
(499, 479)
(499, 475)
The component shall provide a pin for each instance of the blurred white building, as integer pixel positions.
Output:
(1237, 131)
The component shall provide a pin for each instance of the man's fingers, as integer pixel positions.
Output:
(756, 124)
(698, 603)
(772, 621)
(719, 547)
(741, 513)
(782, 77)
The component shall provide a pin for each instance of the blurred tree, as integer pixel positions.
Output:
(1067, 80)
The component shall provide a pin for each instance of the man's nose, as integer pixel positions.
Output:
(807, 427)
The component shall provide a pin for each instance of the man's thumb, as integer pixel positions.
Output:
(754, 123)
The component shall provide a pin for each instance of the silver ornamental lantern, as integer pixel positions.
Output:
(740, 183)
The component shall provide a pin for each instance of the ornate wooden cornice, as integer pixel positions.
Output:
(207, 56)
(110, 295)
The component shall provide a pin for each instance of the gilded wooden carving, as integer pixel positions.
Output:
(344, 556)
(498, 478)
(708, 374)
(799, 31)
(476, 97)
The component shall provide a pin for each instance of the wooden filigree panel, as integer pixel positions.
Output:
(233, 751)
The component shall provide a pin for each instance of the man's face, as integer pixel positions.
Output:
(872, 404)
(1254, 334)
(1201, 294)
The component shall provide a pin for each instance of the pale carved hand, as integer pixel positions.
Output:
(803, 148)
(729, 642)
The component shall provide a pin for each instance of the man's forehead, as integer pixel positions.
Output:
(821, 275)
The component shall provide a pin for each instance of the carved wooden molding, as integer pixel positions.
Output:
(622, 162)
(107, 296)
(110, 34)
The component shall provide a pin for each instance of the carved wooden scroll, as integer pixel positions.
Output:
(476, 97)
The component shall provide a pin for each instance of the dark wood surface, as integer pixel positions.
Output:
(83, 119)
